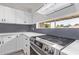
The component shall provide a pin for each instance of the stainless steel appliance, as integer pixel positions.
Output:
(36, 46)
(50, 45)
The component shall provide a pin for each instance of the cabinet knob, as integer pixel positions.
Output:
(46, 49)
(51, 51)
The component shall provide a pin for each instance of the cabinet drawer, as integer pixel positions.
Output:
(6, 38)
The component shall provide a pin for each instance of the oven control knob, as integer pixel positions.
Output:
(51, 52)
(46, 49)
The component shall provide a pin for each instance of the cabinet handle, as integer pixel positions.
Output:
(2, 42)
(2, 19)
(9, 37)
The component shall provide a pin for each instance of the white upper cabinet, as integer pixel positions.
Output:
(15, 16)
(28, 18)
(19, 15)
(9, 15)
(23, 17)
(1, 14)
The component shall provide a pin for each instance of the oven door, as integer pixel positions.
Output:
(32, 51)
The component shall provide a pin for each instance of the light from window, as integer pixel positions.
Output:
(70, 23)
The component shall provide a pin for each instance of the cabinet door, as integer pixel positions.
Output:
(9, 47)
(23, 43)
(19, 17)
(28, 18)
(1, 14)
(9, 15)
(19, 42)
(0, 41)
(0, 45)
(26, 45)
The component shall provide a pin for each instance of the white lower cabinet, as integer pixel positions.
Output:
(23, 43)
(26, 45)
(0, 44)
(9, 47)
(10, 44)
(19, 42)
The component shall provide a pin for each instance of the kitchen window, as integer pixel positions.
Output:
(43, 25)
(69, 23)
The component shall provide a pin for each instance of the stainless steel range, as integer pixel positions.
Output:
(50, 45)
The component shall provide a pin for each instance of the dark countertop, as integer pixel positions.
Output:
(57, 40)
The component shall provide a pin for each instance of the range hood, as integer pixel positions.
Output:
(52, 7)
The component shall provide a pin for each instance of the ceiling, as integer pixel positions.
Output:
(31, 7)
